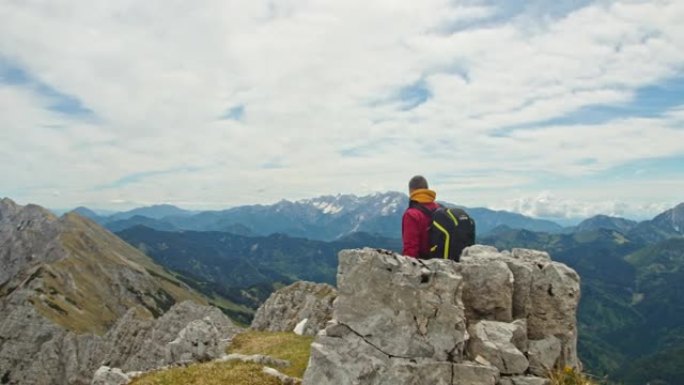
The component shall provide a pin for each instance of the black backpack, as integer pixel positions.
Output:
(450, 231)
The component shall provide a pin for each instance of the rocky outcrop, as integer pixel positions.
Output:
(303, 307)
(137, 342)
(74, 297)
(399, 320)
(188, 332)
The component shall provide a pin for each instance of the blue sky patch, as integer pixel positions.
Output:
(413, 95)
(141, 176)
(648, 102)
(235, 113)
(60, 102)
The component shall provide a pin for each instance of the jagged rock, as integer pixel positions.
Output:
(63, 283)
(48, 354)
(520, 263)
(547, 293)
(305, 305)
(397, 320)
(389, 320)
(28, 238)
(532, 256)
(543, 355)
(487, 290)
(496, 343)
(199, 341)
(110, 376)
(524, 380)
(138, 342)
(554, 299)
(403, 306)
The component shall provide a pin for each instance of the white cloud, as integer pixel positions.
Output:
(547, 204)
(311, 76)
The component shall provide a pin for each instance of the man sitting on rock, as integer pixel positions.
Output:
(415, 223)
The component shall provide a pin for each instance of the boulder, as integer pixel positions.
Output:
(487, 290)
(187, 332)
(543, 355)
(403, 306)
(496, 342)
(399, 320)
(554, 298)
(199, 341)
(110, 376)
(302, 306)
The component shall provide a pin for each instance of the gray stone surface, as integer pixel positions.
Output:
(67, 282)
(470, 373)
(543, 355)
(140, 343)
(554, 299)
(110, 376)
(305, 303)
(389, 310)
(403, 306)
(487, 290)
(28, 235)
(496, 343)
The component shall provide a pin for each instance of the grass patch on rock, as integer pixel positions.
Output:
(286, 346)
(211, 373)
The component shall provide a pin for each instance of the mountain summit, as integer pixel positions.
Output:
(61, 276)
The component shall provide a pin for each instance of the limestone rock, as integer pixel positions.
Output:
(110, 376)
(199, 341)
(304, 304)
(543, 355)
(470, 373)
(403, 306)
(283, 378)
(187, 332)
(389, 323)
(546, 293)
(554, 299)
(521, 263)
(487, 290)
(496, 343)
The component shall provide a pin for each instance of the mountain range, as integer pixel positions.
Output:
(325, 218)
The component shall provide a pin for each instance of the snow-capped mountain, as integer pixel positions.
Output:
(326, 218)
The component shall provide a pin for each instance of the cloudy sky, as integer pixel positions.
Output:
(556, 109)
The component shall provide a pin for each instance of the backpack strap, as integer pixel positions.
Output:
(422, 208)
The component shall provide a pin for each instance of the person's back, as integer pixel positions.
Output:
(432, 231)
(415, 224)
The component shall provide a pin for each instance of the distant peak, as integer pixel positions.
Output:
(7, 202)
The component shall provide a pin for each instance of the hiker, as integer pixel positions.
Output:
(429, 230)
(415, 224)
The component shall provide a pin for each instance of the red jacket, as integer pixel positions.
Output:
(414, 231)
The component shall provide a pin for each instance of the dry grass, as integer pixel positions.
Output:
(570, 376)
(286, 346)
(223, 373)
